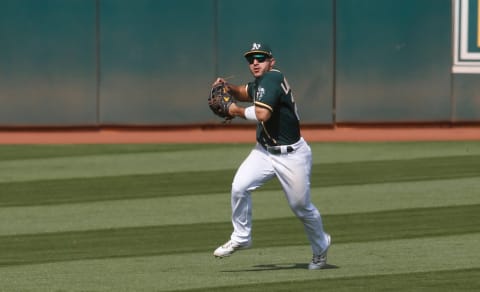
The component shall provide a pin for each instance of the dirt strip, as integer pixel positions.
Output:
(233, 135)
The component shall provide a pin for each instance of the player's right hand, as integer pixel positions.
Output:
(218, 81)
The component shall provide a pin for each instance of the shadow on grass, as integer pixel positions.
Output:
(276, 267)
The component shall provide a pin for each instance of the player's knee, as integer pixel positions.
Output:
(241, 185)
(239, 190)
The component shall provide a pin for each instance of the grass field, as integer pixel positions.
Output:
(403, 216)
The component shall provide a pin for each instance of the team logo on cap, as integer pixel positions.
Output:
(256, 46)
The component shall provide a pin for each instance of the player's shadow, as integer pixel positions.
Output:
(278, 267)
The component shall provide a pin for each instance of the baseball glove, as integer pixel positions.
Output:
(220, 100)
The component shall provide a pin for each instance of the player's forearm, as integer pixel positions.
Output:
(238, 91)
(252, 113)
(236, 111)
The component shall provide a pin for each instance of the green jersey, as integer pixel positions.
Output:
(271, 91)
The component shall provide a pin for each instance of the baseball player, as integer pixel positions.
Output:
(280, 152)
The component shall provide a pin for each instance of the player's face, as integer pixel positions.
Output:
(259, 64)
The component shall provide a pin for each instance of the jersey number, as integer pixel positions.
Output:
(286, 88)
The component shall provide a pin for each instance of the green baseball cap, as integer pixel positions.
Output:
(259, 48)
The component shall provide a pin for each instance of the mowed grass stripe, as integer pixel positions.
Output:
(257, 266)
(267, 205)
(163, 240)
(324, 152)
(136, 163)
(103, 188)
(451, 280)
(23, 152)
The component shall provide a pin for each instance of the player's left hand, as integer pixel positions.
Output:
(220, 100)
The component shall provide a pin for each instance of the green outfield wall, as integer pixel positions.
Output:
(151, 62)
(48, 62)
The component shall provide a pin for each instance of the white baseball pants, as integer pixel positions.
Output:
(293, 171)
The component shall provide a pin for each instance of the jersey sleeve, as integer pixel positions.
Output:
(268, 92)
(251, 90)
